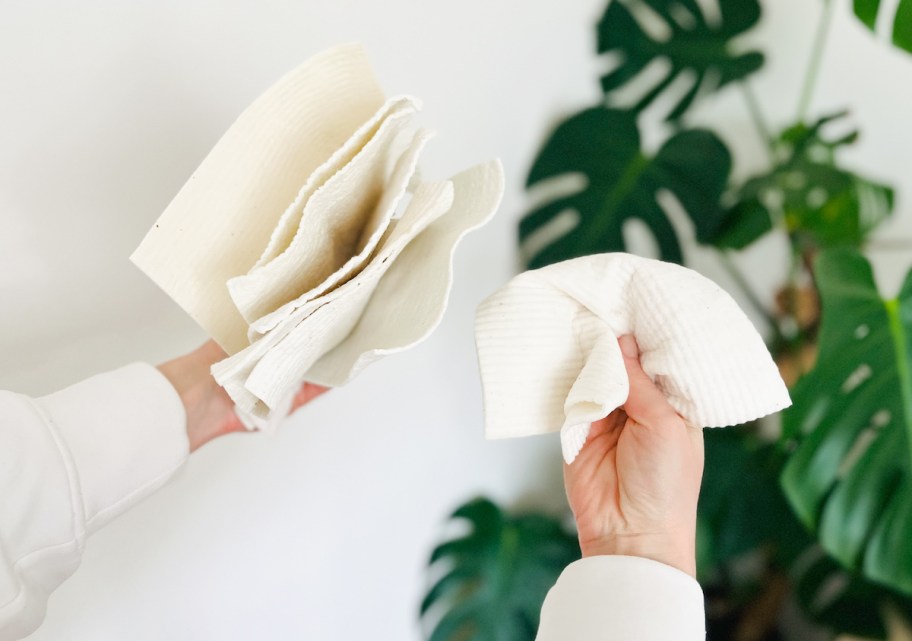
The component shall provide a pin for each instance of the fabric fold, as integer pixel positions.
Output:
(341, 222)
(549, 360)
(311, 247)
(221, 220)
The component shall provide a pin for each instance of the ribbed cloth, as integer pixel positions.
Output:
(549, 358)
(289, 246)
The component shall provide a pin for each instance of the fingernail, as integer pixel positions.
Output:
(629, 347)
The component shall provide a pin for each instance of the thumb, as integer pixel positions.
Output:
(646, 404)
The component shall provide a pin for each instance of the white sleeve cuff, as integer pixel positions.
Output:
(623, 598)
(125, 431)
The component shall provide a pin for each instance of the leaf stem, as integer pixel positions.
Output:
(625, 185)
(813, 69)
(753, 107)
(729, 265)
(794, 343)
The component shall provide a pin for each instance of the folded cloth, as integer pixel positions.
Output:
(338, 218)
(288, 245)
(549, 357)
(223, 217)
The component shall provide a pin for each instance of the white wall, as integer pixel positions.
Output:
(321, 532)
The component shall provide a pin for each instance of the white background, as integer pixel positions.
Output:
(323, 531)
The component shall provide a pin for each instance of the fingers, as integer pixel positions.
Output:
(306, 394)
(646, 404)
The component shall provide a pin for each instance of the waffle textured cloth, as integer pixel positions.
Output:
(549, 357)
(306, 244)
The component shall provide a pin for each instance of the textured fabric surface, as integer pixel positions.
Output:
(222, 219)
(549, 358)
(338, 224)
(309, 262)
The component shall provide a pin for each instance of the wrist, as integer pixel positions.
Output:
(205, 404)
(676, 550)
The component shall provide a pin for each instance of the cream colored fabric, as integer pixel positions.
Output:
(222, 219)
(338, 218)
(549, 358)
(70, 463)
(395, 302)
(342, 271)
(622, 598)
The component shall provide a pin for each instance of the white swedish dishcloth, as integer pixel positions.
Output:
(288, 244)
(549, 357)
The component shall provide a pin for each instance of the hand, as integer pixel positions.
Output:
(634, 486)
(210, 411)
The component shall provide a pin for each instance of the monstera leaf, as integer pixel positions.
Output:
(498, 575)
(695, 46)
(868, 11)
(842, 600)
(849, 476)
(742, 507)
(820, 204)
(744, 511)
(622, 183)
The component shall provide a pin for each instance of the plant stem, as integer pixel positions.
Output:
(752, 297)
(753, 107)
(813, 69)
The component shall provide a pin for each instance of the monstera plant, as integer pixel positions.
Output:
(498, 573)
(849, 434)
(869, 12)
(820, 514)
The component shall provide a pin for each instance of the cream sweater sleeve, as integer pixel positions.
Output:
(69, 463)
(622, 598)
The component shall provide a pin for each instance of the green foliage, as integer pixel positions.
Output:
(696, 47)
(741, 505)
(743, 511)
(818, 203)
(805, 192)
(848, 476)
(868, 11)
(831, 504)
(622, 183)
(841, 600)
(497, 575)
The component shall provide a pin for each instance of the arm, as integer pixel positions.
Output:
(633, 490)
(72, 461)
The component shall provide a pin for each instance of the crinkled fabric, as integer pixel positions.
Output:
(549, 357)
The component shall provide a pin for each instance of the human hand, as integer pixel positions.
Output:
(634, 486)
(210, 411)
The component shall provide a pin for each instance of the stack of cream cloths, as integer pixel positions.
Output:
(305, 243)
(550, 360)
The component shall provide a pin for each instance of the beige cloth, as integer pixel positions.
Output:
(296, 245)
(223, 217)
(549, 357)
